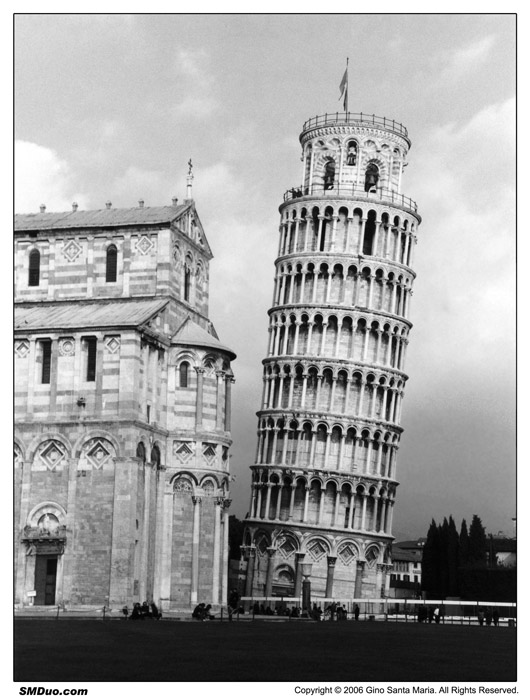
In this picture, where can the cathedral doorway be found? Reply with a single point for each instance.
(283, 583)
(45, 579)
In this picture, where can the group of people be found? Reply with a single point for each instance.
(488, 616)
(233, 603)
(432, 613)
(283, 610)
(429, 614)
(335, 611)
(202, 612)
(142, 611)
(296, 192)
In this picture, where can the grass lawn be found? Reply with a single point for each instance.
(118, 650)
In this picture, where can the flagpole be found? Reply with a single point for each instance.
(346, 100)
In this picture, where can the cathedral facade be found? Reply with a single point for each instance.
(122, 411)
(324, 477)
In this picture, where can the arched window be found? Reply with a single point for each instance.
(34, 269)
(187, 276)
(184, 374)
(329, 175)
(155, 455)
(140, 452)
(351, 158)
(112, 264)
(91, 345)
(369, 233)
(371, 177)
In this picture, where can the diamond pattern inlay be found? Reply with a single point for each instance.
(98, 454)
(287, 548)
(183, 452)
(113, 345)
(22, 348)
(72, 250)
(144, 245)
(316, 551)
(52, 454)
(347, 554)
(209, 453)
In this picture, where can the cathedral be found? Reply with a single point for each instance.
(324, 478)
(122, 410)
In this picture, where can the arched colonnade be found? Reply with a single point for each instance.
(348, 230)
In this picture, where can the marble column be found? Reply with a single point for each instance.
(195, 549)
(271, 551)
(218, 503)
(330, 575)
(298, 580)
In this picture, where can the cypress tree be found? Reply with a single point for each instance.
(477, 543)
(452, 558)
(463, 542)
(443, 534)
(430, 569)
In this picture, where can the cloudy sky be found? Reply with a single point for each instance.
(112, 107)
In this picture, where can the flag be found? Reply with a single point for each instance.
(343, 87)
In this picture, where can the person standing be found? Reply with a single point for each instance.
(495, 616)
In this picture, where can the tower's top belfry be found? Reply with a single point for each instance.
(354, 155)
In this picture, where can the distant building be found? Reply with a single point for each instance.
(405, 575)
(502, 551)
(122, 409)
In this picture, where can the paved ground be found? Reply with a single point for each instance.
(276, 650)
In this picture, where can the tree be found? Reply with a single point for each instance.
(463, 542)
(443, 563)
(456, 565)
(235, 536)
(453, 547)
(477, 556)
(430, 566)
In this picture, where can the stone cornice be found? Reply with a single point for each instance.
(337, 258)
(331, 419)
(336, 200)
(341, 311)
(335, 363)
(355, 129)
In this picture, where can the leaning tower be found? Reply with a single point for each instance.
(324, 478)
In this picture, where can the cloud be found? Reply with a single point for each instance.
(139, 183)
(42, 177)
(191, 64)
(195, 82)
(464, 60)
(465, 259)
(461, 355)
(194, 106)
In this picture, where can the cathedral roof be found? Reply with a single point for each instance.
(190, 333)
(86, 314)
(100, 218)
